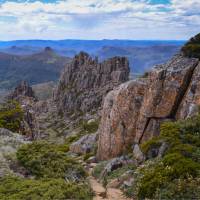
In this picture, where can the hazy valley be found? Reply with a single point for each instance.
(24, 60)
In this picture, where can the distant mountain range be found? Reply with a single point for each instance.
(88, 45)
(142, 54)
(36, 68)
(141, 59)
(27, 59)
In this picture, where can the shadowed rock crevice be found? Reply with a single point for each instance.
(183, 89)
(168, 85)
(180, 96)
(152, 127)
(145, 128)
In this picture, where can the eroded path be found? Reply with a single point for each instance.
(102, 193)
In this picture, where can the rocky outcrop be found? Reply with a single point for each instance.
(23, 89)
(132, 113)
(191, 101)
(85, 144)
(85, 82)
(24, 94)
(114, 164)
(137, 154)
(167, 86)
(9, 143)
(29, 125)
(119, 118)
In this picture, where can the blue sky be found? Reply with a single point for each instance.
(99, 19)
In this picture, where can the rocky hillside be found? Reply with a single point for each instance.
(37, 68)
(133, 112)
(85, 82)
(147, 145)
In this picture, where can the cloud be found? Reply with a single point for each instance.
(96, 19)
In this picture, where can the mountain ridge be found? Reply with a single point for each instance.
(15, 68)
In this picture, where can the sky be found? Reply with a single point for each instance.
(99, 19)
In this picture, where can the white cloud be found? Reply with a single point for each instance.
(90, 19)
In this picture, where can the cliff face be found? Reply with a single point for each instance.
(85, 81)
(132, 113)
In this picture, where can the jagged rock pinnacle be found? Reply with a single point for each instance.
(85, 82)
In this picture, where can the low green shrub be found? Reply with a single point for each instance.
(48, 161)
(118, 172)
(11, 116)
(154, 143)
(91, 127)
(171, 168)
(180, 163)
(180, 189)
(98, 169)
(145, 75)
(72, 138)
(12, 188)
(192, 47)
(88, 155)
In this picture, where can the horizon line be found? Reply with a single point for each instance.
(93, 40)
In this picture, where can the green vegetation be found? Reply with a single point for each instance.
(47, 65)
(92, 153)
(56, 175)
(91, 127)
(117, 173)
(85, 128)
(106, 178)
(49, 161)
(192, 48)
(11, 116)
(12, 188)
(145, 75)
(153, 143)
(172, 176)
(98, 169)
(180, 189)
(88, 155)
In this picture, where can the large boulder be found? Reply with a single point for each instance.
(114, 164)
(119, 119)
(85, 144)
